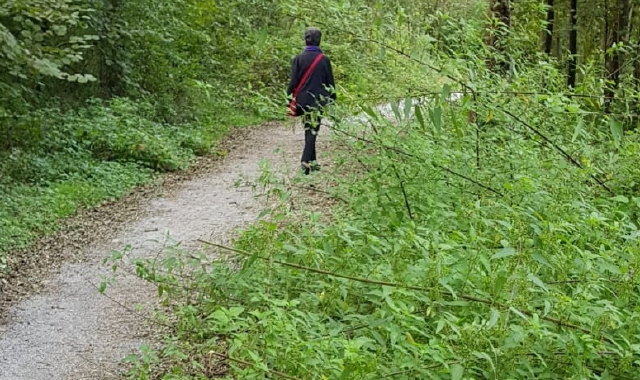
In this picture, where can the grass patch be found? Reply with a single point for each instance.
(78, 159)
(430, 268)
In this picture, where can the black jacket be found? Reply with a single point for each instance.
(319, 88)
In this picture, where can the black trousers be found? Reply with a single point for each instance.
(311, 127)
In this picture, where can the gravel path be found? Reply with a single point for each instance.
(69, 331)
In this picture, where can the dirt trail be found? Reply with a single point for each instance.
(71, 332)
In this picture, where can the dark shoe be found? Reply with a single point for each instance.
(305, 167)
(315, 167)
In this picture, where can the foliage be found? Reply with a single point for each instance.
(38, 38)
(94, 94)
(490, 234)
(96, 84)
(99, 152)
(28, 211)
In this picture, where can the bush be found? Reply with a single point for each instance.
(76, 159)
(496, 244)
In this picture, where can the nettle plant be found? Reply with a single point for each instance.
(488, 235)
(459, 250)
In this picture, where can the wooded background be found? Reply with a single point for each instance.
(490, 235)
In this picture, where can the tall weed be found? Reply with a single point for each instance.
(492, 236)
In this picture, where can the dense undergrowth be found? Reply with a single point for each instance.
(83, 157)
(423, 273)
(492, 235)
(98, 97)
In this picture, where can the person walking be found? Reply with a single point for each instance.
(311, 89)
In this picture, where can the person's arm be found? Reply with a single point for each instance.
(295, 77)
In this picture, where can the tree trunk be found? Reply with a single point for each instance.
(499, 10)
(573, 44)
(636, 76)
(551, 15)
(615, 60)
(111, 71)
(607, 27)
(636, 73)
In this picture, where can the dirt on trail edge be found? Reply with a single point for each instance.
(54, 323)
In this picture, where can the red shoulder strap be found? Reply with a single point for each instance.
(307, 74)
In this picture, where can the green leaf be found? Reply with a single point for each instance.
(369, 111)
(261, 38)
(60, 30)
(396, 110)
(252, 259)
(446, 91)
(518, 313)
(541, 259)
(456, 372)
(408, 102)
(495, 316)
(264, 213)
(609, 267)
(236, 311)
(577, 130)
(533, 278)
(485, 356)
(346, 372)
(504, 252)
(382, 53)
(616, 131)
(436, 118)
(131, 358)
(418, 111)
(219, 316)
(620, 199)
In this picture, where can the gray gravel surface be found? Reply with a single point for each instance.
(68, 331)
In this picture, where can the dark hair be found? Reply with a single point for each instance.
(312, 37)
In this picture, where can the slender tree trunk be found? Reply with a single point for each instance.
(636, 73)
(573, 44)
(615, 60)
(499, 10)
(111, 74)
(551, 15)
(503, 11)
(636, 76)
(607, 27)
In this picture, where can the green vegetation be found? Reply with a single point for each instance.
(97, 96)
(83, 157)
(490, 236)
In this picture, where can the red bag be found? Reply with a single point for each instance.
(293, 108)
